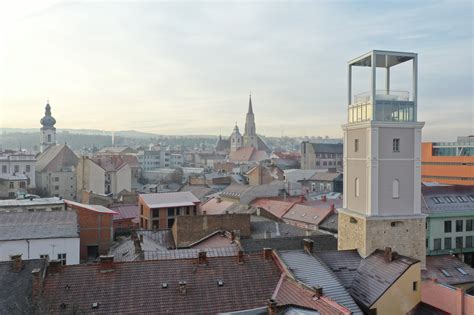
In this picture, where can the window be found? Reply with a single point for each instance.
(156, 213)
(22, 184)
(469, 241)
(56, 187)
(356, 145)
(170, 212)
(12, 185)
(16, 168)
(356, 188)
(170, 223)
(462, 199)
(437, 200)
(28, 168)
(11, 194)
(415, 285)
(459, 242)
(459, 225)
(353, 220)
(49, 138)
(56, 179)
(447, 226)
(450, 199)
(445, 273)
(461, 271)
(4, 168)
(141, 209)
(62, 259)
(395, 189)
(44, 256)
(447, 243)
(469, 224)
(437, 244)
(396, 145)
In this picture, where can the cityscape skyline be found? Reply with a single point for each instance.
(193, 77)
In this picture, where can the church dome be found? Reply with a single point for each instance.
(48, 121)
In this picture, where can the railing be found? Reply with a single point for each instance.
(382, 95)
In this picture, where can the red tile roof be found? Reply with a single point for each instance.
(214, 206)
(136, 287)
(275, 207)
(242, 154)
(309, 214)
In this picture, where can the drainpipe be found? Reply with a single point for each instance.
(28, 241)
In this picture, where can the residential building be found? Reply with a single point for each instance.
(159, 211)
(448, 162)
(13, 186)
(103, 174)
(286, 160)
(126, 218)
(382, 165)
(56, 172)
(321, 155)
(450, 221)
(95, 229)
(153, 159)
(116, 150)
(264, 174)
(40, 234)
(32, 205)
(18, 163)
(47, 131)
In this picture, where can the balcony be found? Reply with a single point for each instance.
(392, 106)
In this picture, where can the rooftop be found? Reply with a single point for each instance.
(447, 199)
(448, 269)
(31, 202)
(172, 199)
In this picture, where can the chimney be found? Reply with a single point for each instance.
(333, 208)
(134, 236)
(54, 266)
(106, 263)
(302, 199)
(272, 307)
(202, 258)
(267, 253)
(232, 236)
(17, 262)
(182, 287)
(37, 286)
(218, 199)
(138, 246)
(141, 238)
(240, 257)
(318, 291)
(388, 254)
(308, 245)
(324, 198)
(204, 212)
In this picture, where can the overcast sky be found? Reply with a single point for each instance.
(187, 67)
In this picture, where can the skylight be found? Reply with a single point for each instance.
(447, 274)
(461, 271)
(315, 217)
(462, 199)
(450, 199)
(437, 200)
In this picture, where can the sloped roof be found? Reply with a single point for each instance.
(321, 242)
(137, 286)
(313, 213)
(276, 207)
(328, 147)
(242, 155)
(125, 211)
(222, 145)
(95, 208)
(313, 272)
(171, 199)
(216, 206)
(130, 159)
(325, 176)
(109, 163)
(56, 157)
(259, 229)
(446, 199)
(434, 265)
(343, 264)
(38, 225)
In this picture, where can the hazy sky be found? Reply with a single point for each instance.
(187, 67)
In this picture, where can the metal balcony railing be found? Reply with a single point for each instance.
(382, 95)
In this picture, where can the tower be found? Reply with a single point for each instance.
(235, 139)
(48, 131)
(382, 157)
(250, 134)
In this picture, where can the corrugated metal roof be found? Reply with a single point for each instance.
(313, 272)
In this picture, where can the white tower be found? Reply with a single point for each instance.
(235, 139)
(48, 131)
(382, 157)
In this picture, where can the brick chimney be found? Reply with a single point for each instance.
(141, 238)
(106, 262)
(240, 257)
(389, 255)
(232, 236)
(138, 246)
(182, 287)
(333, 208)
(202, 258)
(272, 307)
(318, 291)
(302, 199)
(37, 286)
(267, 253)
(323, 198)
(308, 245)
(54, 266)
(17, 262)
(218, 199)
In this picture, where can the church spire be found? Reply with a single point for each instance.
(250, 105)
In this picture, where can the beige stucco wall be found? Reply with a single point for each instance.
(367, 235)
(400, 298)
(124, 179)
(96, 178)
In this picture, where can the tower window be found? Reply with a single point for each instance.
(49, 138)
(356, 145)
(356, 188)
(396, 189)
(353, 220)
(415, 285)
(396, 145)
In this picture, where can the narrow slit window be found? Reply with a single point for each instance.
(396, 189)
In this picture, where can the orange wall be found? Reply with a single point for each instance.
(448, 299)
(445, 170)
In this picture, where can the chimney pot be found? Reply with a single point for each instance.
(202, 258)
(308, 245)
(318, 291)
(17, 262)
(232, 236)
(204, 212)
(388, 254)
(272, 307)
(267, 253)
(240, 257)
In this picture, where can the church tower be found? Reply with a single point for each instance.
(235, 139)
(250, 134)
(382, 157)
(48, 131)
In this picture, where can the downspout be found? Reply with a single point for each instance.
(28, 241)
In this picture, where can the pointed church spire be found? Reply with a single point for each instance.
(250, 105)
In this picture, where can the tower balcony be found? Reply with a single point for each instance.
(391, 105)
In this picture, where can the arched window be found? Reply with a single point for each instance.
(356, 188)
(49, 138)
(396, 188)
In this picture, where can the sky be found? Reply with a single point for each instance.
(177, 68)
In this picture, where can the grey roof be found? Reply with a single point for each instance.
(16, 287)
(258, 229)
(375, 275)
(61, 155)
(452, 266)
(445, 199)
(313, 272)
(321, 242)
(169, 199)
(329, 223)
(192, 253)
(343, 264)
(328, 147)
(29, 202)
(37, 225)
